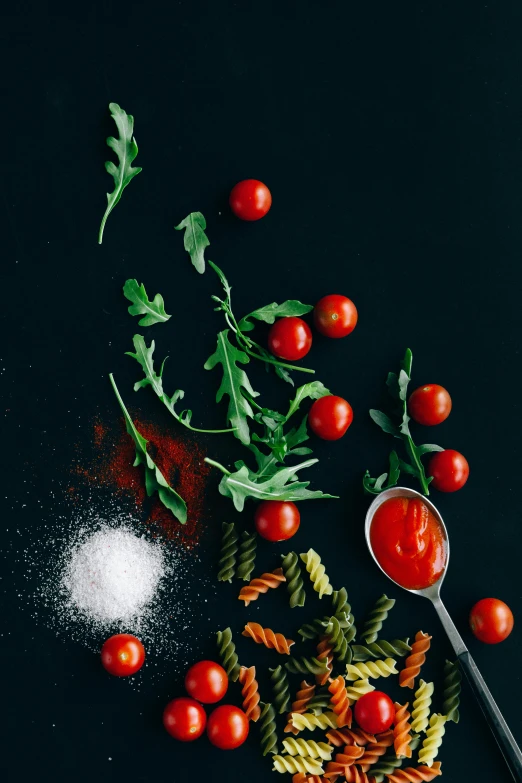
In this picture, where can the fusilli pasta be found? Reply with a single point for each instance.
(340, 702)
(307, 720)
(281, 690)
(415, 660)
(340, 737)
(227, 653)
(451, 692)
(421, 706)
(303, 777)
(395, 649)
(317, 573)
(314, 750)
(387, 764)
(374, 750)
(320, 701)
(421, 774)
(250, 691)
(247, 556)
(358, 689)
(343, 760)
(267, 723)
(295, 764)
(274, 641)
(302, 699)
(401, 731)
(306, 666)
(375, 619)
(227, 560)
(325, 655)
(374, 669)
(336, 635)
(340, 605)
(294, 580)
(433, 740)
(260, 585)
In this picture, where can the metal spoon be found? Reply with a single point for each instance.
(497, 724)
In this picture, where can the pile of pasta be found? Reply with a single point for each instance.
(324, 699)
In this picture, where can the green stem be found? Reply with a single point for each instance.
(217, 465)
(102, 225)
(415, 461)
(278, 363)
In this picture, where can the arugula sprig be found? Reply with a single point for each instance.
(155, 481)
(398, 389)
(144, 356)
(153, 312)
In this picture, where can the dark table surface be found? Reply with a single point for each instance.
(391, 140)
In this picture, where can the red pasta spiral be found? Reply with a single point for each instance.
(416, 775)
(352, 774)
(343, 761)
(303, 696)
(415, 660)
(374, 750)
(340, 701)
(349, 737)
(274, 641)
(302, 777)
(325, 652)
(250, 691)
(261, 584)
(401, 731)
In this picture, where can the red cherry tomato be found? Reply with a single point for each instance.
(450, 470)
(429, 404)
(206, 681)
(250, 199)
(491, 620)
(330, 417)
(277, 520)
(184, 719)
(335, 316)
(227, 727)
(290, 338)
(374, 712)
(122, 655)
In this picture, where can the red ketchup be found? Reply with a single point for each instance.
(408, 542)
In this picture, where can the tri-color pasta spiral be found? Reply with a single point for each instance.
(336, 635)
(261, 584)
(373, 669)
(300, 704)
(274, 641)
(433, 740)
(295, 764)
(375, 619)
(250, 692)
(379, 649)
(280, 689)
(306, 720)
(325, 655)
(390, 762)
(247, 555)
(301, 665)
(343, 760)
(294, 579)
(415, 660)
(358, 689)
(227, 560)
(451, 692)
(340, 702)
(421, 706)
(340, 737)
(314, 750)
(268, 727)
(227, 653)
(401, 731)
(374, 750)
(317, 573)
(420, 774)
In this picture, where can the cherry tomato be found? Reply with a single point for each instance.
(277, 520)
(290, 338)
(429, 404)
(450, 470)
(250, 199)
(374, 712)
(335, 316)
(206, 681)
(184, 719)
(122, 655)
(330, 417)
(491, 620)
(227, 727)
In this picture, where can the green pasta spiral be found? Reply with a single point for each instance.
(227, 653)
(381, 649)
(451, 693)
(377, 616)
(281, 690)
(294, 579)
(227, 560)
(316, 627)
(306, 666)
(387, 764)
(320, 701)
(267, 725)
(335, 634)
(247, 556)
(340, 604)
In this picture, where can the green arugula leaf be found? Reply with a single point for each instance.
(376, 486)
(235, 380)
(395, 470)
(313, 390)
(270, 312)
(384, 422)
(153, 312)
(126, 149)
(155, 481)
(426, 448)
(144, 357)
(195, 240)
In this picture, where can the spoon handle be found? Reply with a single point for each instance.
(497, 724)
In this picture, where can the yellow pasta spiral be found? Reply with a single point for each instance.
(421, 707)
(295, 764)
(326, 720)
(317, 573)
(433, 740)
(361, 671)
(314, 750)
(358, 689)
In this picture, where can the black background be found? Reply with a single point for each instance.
(390, 136)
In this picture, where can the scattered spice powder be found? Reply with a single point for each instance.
(180, 460)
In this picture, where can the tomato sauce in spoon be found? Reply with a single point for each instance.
(409, 542)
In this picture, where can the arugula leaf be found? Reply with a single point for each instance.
(195, 240)
(235, 380)
(145, 359)
(155, 481)
(283, 485)
(126, 149)
(426, 448)
(375, 486)
(153, 312)
(384, 422)
(270, 312)
(313, 390)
